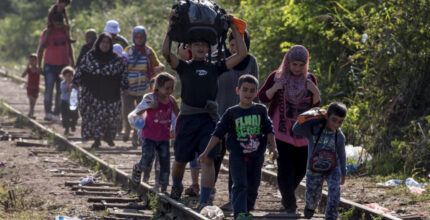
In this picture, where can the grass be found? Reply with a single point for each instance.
(14, 204)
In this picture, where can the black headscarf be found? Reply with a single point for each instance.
(244, 63)
(104, 57)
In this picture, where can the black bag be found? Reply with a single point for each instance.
(199, 20)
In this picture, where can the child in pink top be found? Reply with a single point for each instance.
(158, 106)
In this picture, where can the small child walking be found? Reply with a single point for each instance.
(249, 128)
(69, 116)
(158, 106)
(326, 159)
(33, 79)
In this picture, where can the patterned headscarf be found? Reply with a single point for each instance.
(138, 50)
(294, 86)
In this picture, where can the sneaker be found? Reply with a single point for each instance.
(244, 216)
(176, 192)
(136, 175)
(308, 213)
(73, 129)
(48, 117)
(55, 117)
(193, 190)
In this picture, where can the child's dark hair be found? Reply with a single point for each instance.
(58, 16)
(162, 78)
(337, 108)
(32, 55)
(67, 69)
(247, 78)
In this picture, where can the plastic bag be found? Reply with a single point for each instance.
(60, 217)
(85, 181)
(392, 182)
(212, 212)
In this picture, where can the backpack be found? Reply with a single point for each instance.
(323, 160)
(199, 20)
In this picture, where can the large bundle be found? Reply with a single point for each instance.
(199, 20)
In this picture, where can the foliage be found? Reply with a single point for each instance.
(372, 55)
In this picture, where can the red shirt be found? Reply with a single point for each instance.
(158, 122)
(32, 79)
(57, 48)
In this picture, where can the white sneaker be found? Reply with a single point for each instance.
(48, 117)
(55, 117)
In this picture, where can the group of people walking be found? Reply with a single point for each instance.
(218, 112)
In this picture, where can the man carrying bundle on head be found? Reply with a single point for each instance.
(198, 111)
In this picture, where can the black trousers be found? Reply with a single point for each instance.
(69, 117)
(221, 151)
(291, 170)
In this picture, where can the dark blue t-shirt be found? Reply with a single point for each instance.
(247, 129)
(199, 81)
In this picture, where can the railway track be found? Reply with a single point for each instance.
(115, 164)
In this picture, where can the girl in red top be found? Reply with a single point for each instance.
(290, 90)
(33, 73)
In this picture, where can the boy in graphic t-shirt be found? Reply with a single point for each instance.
(249, 129)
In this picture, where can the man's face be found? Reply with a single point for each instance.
(199, 50)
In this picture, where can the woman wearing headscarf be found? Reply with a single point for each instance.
(102, 76)
(290, 90)
(143, 65)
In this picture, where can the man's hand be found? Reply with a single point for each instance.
(274, 152)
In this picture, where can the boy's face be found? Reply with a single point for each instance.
(199, 50)
(334, 122)
(33, 61)
(68, 76)
(247, 92)
(297, 67)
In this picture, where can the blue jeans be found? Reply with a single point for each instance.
(246, 176)
(314, 184)
(163, 153)
(52, 77)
